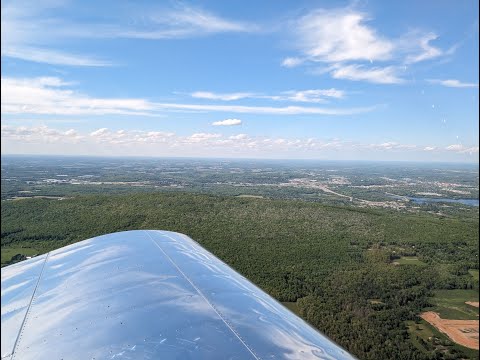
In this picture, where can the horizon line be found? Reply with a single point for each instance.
(242, 158)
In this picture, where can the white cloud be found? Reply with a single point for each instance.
(391, 146)
(427, 51)
(223, 97)
(124, 137)
(344, 40)
(227, 122)
(54, 57)
(158, 143)
(313, 95)
(455, 147)
(379, 75)
(47, 95)
(201, 137)
(99, 132)
(42, 134)
(453, 83)
(239, 137)
(286, 110)
(340, 35)
(292, 62)
(459, 148)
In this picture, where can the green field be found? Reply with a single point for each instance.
(474, 274)
(292, 306)
(424, 331)
(410, 260)
(8, 252)
(450, 304)
(250, 196)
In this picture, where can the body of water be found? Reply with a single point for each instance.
(423, 200)
(469, 202)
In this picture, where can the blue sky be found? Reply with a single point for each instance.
(366, 80)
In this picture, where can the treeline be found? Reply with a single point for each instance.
(335, 262)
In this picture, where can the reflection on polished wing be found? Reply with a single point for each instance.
(146, 295)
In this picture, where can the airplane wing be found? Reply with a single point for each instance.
(146, 295)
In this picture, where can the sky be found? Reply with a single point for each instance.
(327, 80)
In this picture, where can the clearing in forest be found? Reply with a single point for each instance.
(410, 260)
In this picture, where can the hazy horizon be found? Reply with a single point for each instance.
(312, 160)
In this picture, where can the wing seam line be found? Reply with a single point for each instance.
(220, 315)
(24, 322)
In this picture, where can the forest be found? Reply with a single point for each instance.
(336, 266)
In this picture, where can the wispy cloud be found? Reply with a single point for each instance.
(51, 95)
(312, 96)
(285, 110)
(453, 83)
(184, 21)
(54, 57)
(379, 75)
(227, 122)
(391, 145)
(201, 137)
(31, 31)
(309, 96)
(224, 97)
(292, 62)
(426, 50)
(462, 149)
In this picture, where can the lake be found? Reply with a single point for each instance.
(424, 200)
(469, 202)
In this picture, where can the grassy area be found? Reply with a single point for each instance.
(376, 302)
(250, 196)
(7, 252)
(421, 330)
(450, 304)
(474, 274)
(410, 260)
(292, 306)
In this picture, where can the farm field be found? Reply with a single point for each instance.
(452, 304)
(462, 332)
(9, 252)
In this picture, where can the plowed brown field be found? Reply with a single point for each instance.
(463, 332)
(473, 303)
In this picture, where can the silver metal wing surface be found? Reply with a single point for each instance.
(146, 295)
